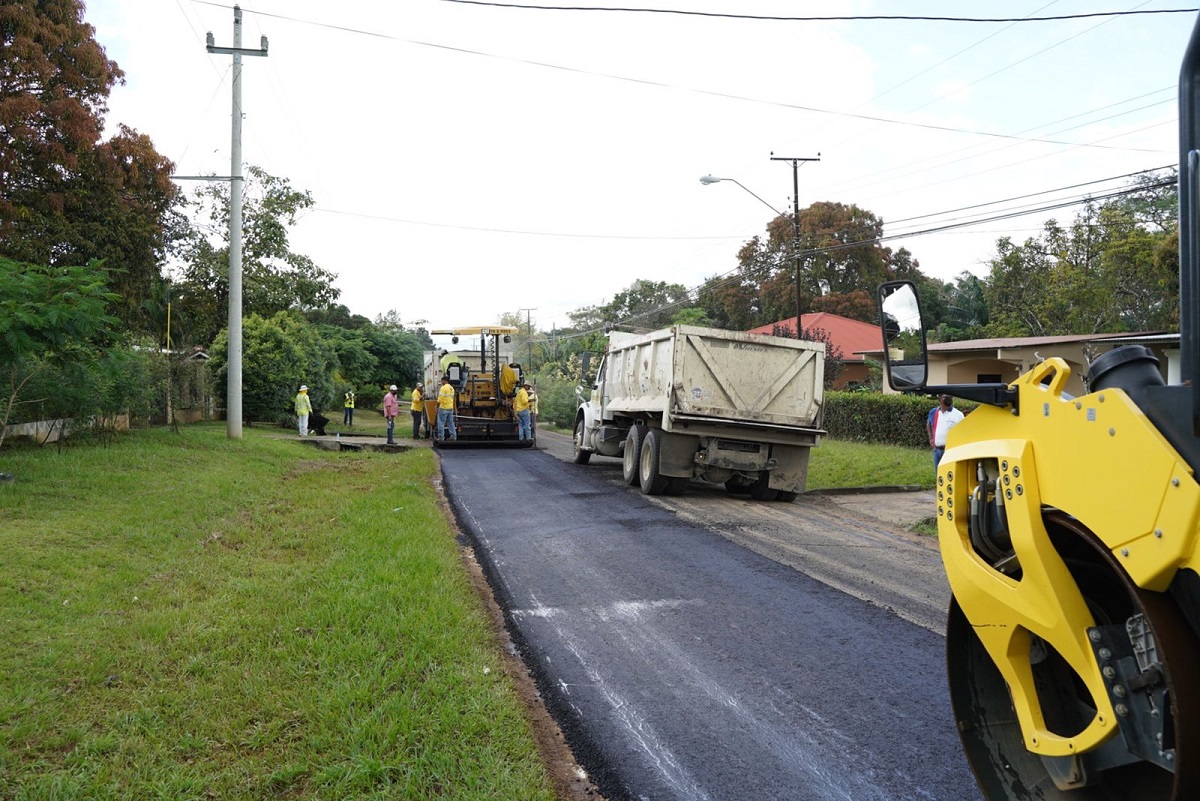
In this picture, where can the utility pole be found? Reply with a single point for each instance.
(796, 222)
(233, 392)
(529, 333)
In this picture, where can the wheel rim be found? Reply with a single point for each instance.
(992, 737)
(646, 462)
(630, 462)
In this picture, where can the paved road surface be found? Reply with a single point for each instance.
(683, 665)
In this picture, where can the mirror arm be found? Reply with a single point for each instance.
(991, 394)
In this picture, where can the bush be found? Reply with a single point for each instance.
(885, 419)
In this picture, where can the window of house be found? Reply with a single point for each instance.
(987, 378)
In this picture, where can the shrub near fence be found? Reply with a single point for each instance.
(885, 419)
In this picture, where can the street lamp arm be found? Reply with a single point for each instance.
(712, 179)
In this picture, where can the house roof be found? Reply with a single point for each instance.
(853, 337)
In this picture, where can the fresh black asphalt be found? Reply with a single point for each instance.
(683, 666)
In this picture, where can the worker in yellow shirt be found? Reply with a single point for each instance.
(445, 415)
(418, 409)
(521, 407)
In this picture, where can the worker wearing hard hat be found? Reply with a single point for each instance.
(391, 408)
(521, 407)
(303, 409)
(418, 409)
(445, 414)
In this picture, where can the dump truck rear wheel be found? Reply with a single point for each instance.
(581, 456)
(630, 461)
(761, 491)
(652, 481)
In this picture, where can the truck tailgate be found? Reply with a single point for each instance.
(710, 373)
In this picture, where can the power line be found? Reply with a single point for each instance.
(855, 18)
(663, 85)
(624, 237)
(729, 277)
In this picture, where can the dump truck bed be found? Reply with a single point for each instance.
(694, 376)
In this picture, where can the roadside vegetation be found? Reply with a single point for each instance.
(187, 616)
(837, 464)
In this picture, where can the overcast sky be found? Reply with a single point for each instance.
(468, 160)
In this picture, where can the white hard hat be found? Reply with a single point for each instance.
(304, 387)
(393, 387)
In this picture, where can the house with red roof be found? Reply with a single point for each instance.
(852, 337)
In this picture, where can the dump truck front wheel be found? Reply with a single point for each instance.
(581, 456)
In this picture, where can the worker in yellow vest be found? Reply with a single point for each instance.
(348, 417)
(521, 407)
(445, 415)
(418, 410)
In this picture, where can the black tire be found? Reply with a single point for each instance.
(581, 456)
(652, 481)
(676, 486)
(760, 491)
(787, 497)
(735, 488)
(630, 461)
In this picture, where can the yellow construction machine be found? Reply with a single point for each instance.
(1070, 532)
(485, 381)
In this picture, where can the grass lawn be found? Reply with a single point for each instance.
(839, 464)
(186, 616)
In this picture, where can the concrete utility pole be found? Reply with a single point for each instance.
(233, 393)
(529, 333)
(796, 222)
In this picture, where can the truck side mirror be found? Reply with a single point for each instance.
(905, 359)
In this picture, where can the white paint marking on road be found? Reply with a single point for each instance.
(643, 734)
(619, 610)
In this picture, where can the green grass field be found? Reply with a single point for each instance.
(187, 616)
(839, 464)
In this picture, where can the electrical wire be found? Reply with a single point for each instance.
(725, 279)
(848, 18)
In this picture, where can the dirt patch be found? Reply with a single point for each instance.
(569, 779)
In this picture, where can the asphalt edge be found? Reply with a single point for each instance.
(584, 747)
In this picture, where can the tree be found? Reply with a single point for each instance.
(53, 95)
(1113, 269)
(645, 304)
(857, 305)
(278, 355)
(65, 197)
(839, 258)
(965, 303)
(48, 316)
(274, 278)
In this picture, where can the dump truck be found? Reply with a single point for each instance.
(722, 407)
(485, 381)
(1069, 528)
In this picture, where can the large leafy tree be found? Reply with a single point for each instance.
(1113, 269)
(839, 257)
(645, 304)
(66, 197)
(49, 316)
(274, 278)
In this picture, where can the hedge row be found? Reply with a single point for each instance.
(886, 419)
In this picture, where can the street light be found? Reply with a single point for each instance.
(712, 179)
